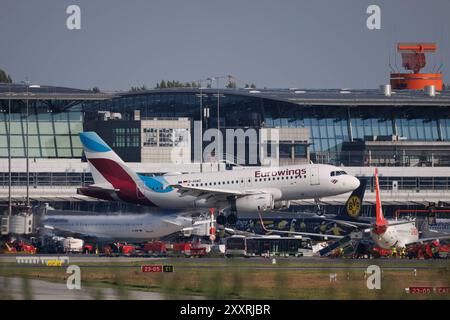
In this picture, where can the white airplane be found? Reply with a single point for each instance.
(121, 227)
(388, 234)
(247, 190)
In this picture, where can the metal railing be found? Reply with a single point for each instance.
(383, 158)
(78, 179)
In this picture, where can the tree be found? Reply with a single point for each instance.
(176, 84)
(253, 86)
(141, 88)
(4, 77)
(231, 85)
(95, 89)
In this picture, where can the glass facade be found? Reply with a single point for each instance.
(445, 128)
(54, 125)
(126, 137)
(362, 128)
(330, 126)
(418, 129)
(52, 133)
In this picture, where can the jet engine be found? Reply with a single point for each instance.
(282, 205)
(254, 202)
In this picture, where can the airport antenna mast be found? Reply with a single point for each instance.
(414, 59)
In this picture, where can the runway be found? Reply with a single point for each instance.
(13, 288)
(255, 263)
(302, 274)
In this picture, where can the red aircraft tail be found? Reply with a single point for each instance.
(381, 222)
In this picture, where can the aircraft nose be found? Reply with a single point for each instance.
(350, 183)
(354, 182)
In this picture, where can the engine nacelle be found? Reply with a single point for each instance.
(282, 205)
(254, 202)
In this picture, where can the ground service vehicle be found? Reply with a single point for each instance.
(268, 246)
(155, 248)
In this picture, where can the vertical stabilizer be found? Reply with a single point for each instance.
(381, 222)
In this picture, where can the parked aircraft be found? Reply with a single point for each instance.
(247, 190)
(388, 234)
(131, 227)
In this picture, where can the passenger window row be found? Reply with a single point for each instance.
(206, 184)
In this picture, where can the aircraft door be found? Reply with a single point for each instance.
(314, 176)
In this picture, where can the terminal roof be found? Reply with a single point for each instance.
(299, 96)
(43, 92)
(322, 96)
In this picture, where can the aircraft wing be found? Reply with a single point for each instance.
(75, 233)
(350, 223)
(242, 233)
(103, 186)
(197, 191)
(172, 223)
(309, 234)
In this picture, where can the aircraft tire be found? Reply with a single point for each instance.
(221, 219)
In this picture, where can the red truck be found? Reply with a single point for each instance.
(380, 252)
(116, 249)
(88, 248)
(20, 247)
(127, 249)
(155, 248)
(197, 251)
(181, 249)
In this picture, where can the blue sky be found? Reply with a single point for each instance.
(305, 44)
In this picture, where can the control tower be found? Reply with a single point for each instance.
(414, 59)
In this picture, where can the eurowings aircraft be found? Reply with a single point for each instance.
(246, 190)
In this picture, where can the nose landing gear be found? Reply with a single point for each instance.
(319, 209)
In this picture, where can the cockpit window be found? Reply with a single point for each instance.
(337, 173)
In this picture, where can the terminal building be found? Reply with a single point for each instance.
(405, 133)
